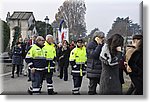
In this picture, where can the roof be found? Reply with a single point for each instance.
(21, 15)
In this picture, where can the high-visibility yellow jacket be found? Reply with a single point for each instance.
(36, 57)
(50, 55)
(77, 60)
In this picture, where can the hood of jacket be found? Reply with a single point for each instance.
(105, 56)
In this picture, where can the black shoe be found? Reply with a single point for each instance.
(24, 74)
(29, 92)
(52, 93)
(60, 77)
(92, 93)
(65, 79)
(29, 79)
(12, 76)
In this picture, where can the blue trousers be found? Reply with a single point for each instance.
(36, 78)
(48, 76)
(77, 81)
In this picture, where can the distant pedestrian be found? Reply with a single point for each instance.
(94, 66)
(110, 56)
(17, 59)
(32, 40)
(59, 45)
(63, 60)
(27, 46)
(23, 45)
(72, 45)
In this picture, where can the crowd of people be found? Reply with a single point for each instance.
(102, 61)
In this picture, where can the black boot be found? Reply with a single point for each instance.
(92, 93)
(12, 76)
(30, 91)
(51, 92)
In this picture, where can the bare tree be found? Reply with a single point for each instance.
(73, 13)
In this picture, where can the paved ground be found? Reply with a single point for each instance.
(19, 85)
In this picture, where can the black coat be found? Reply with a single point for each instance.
(63, 56)
(110, 79)
(94, 66)
(23, 46)
(17, 58)
(136, 64)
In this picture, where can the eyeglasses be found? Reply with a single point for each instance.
(42, 40)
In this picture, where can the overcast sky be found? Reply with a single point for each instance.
(100, 13)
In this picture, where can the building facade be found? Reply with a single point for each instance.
(25, 21)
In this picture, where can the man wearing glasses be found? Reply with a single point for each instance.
(94, 66)
(36, 61)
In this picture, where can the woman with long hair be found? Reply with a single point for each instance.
(63, 59)
(110, 56)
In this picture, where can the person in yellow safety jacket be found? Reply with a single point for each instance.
(78, 60)
(50, 58)
(36, 61)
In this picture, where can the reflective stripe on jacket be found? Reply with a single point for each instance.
(50, 55)
(77, 60)
(36, 57)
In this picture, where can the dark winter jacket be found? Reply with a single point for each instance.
(94, 66)
(110, 80)
(63, 56)
(136, 64)
(17, 56)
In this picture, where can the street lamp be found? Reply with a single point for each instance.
(46, 21)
